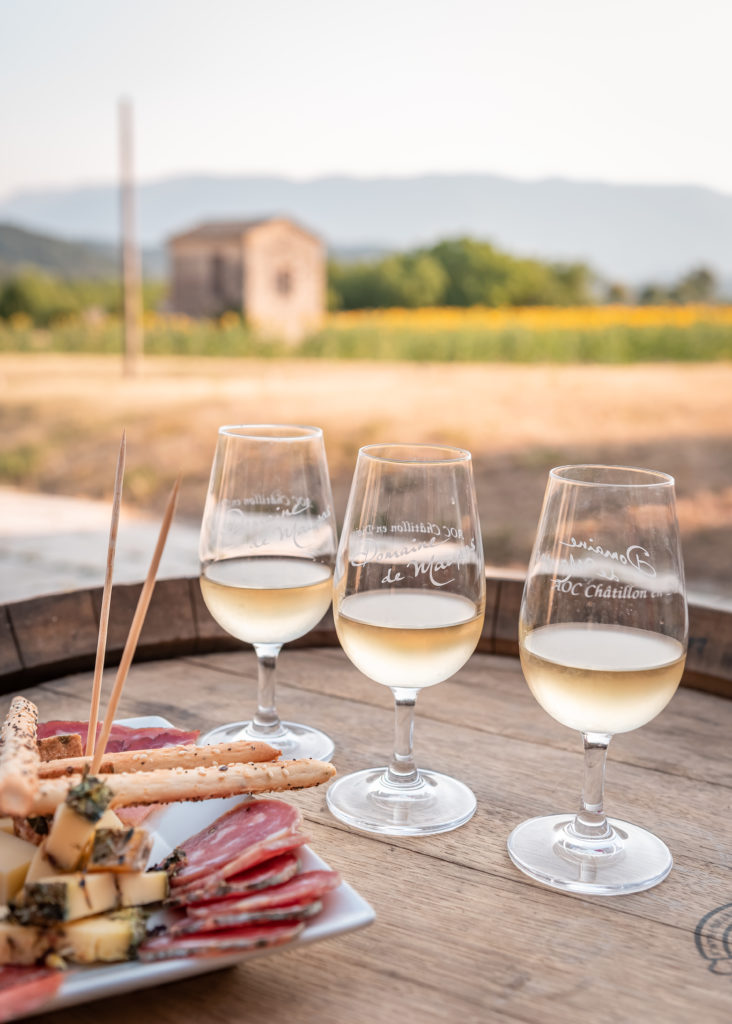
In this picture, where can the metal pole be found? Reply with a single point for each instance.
(131, 275)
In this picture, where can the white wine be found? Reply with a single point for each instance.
(267, 600)
(601, 678)
(410, 638)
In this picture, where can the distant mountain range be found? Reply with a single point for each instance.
(20, 248)
(630, 233)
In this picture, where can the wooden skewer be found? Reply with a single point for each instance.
(135, 628)
(106, 599)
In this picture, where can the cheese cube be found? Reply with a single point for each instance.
(139, 889)
(69, 839)
(41, 866)
(15, 857)
(115, 849)
(21, 944)
(65, 898)
(106, 937)
(109, 820)
(72, 829)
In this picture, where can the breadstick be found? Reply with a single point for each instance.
(168, 785)
(19, 759)
(184, 755)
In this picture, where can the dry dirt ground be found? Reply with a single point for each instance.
(62, 417)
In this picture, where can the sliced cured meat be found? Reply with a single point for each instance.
(164, 947)
(272, 872)
(244, 836)
(135, 814)
(218, 922)
(304, 888)
(25, 989)
(121, 737)
(203, 888)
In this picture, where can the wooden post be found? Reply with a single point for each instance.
(131, 275)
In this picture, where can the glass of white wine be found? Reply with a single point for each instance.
(602, 635)
(409, 602)
(267, 547)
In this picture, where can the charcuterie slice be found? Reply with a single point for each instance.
(135, 814)
(164, 947)
(275, 871)
(121, 737)
(24, 989)
(205, 888)
(304, 888)
(219, 922)
(239, 839)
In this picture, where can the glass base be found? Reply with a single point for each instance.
(367, 800)
(292, 739)
(548, 850)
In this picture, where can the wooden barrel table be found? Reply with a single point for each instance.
(460, 934)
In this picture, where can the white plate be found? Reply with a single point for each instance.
(343, 911)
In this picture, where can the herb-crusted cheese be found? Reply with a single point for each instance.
(74, 822)
(65, 898)
(105, 937)
(125, 849)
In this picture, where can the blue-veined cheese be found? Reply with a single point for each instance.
(65, 898)
(105, 937)
(74, 822)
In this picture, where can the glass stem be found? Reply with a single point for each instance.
(402, 770)
(266, 720)
(591, 822)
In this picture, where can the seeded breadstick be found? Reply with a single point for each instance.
(19, 759)
(168, 785)
(184, 755)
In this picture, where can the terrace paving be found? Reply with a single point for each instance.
(55, 543)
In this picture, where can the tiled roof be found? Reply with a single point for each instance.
(223, 229)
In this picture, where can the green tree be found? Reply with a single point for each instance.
(654, 295)
(477, 274)
(457, 272)
(699, 285)
(576, 283)
(42, 297)
(618, 292)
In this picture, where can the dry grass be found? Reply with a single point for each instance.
(61, 419)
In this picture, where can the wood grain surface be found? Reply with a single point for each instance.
(460, 933)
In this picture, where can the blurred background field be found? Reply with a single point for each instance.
(585, 334)
(61, 417)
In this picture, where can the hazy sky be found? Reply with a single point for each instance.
(616, 90)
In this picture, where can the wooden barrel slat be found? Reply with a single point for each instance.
(45, 637)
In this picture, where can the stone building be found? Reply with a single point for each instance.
(271, 270)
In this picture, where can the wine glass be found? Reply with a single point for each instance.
(409, 602)
(267, 547)
(602, 636)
